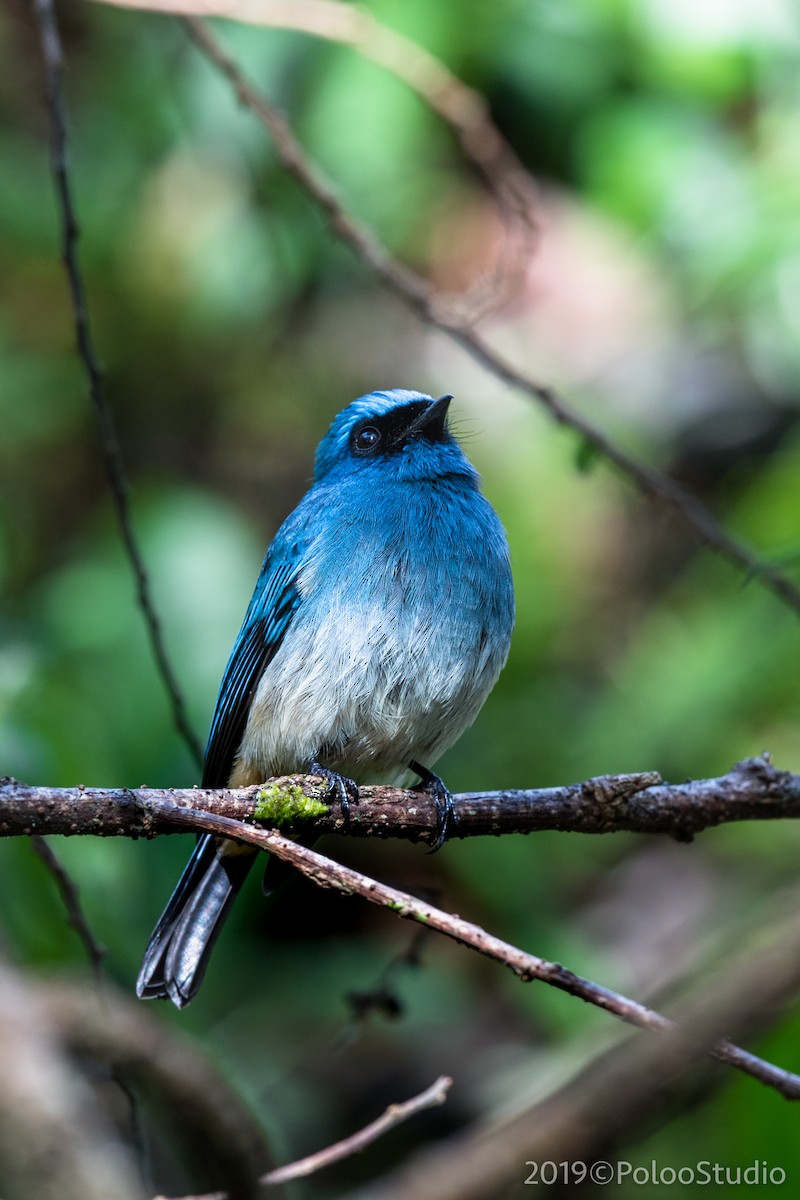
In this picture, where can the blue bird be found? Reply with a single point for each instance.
(378, 626)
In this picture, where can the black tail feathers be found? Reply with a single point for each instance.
(177, 954)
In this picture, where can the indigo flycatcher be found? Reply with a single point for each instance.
(378, 626)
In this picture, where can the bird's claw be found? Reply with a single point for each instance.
(440, 794)
(341, 789)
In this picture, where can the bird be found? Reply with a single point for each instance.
(379, 623)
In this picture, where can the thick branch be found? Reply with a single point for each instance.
(640, 803)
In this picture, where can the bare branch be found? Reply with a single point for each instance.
(70, 894)
(54, 75)
(395, 1114)
(526, 966)
(640, 803)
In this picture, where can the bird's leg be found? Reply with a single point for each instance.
(443, 802)
(339, 786)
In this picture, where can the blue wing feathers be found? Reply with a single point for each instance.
(270, 613)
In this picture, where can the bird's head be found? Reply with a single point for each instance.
(398, 432)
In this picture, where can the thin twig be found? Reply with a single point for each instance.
(641, 803)
(54, 74)
(527, 967)
(70, 895)
(395, 1114)
(417, 293)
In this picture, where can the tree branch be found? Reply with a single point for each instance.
(157, 811)
(395, 1114)
(639, 803)
(53, 60)
(70, 895)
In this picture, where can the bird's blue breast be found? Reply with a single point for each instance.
(402, 623)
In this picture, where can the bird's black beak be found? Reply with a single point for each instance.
(432, 420)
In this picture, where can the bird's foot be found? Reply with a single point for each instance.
(446, 818)
(340, 788)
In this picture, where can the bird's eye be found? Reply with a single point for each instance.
(367, 439)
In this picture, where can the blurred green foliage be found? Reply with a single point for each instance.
(233, 326)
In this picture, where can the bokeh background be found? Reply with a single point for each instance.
(661, 298)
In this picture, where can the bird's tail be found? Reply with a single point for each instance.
(177, 954)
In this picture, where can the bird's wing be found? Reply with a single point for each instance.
(272, 607)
